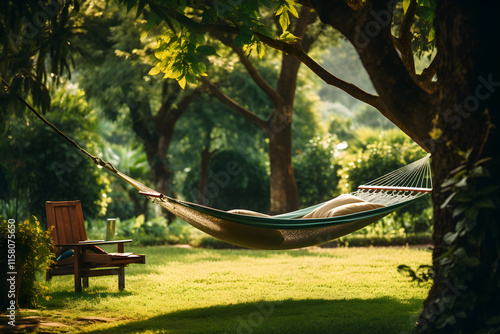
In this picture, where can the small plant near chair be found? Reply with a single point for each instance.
(33, 253)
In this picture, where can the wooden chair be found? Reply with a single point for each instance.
(68, 233)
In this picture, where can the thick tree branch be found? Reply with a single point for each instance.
(297, 51)
(140, 112)
(349, 88)
(169, 98)
(228, 40)
(348, 14)
(214, 91)
(429, 73)
(257, 78)
(405, 102)
(405, 36)
(175, 113)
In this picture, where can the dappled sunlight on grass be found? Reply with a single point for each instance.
(322, 288)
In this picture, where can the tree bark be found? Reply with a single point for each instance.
(284, 193)
(205, 161)
(469, 102)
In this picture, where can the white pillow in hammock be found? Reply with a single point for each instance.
(248, 213)
(333, 203)
(352, 208)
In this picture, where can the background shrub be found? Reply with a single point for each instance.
(34, 254)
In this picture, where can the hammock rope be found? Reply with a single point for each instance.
(290, 230)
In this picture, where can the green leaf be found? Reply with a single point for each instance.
(190, 78)
(447, 200)
(280, 10)
(462, 183)
(207, 50)
(154, 71)
(152, 21)
(284, 21)
(172, 71)
(130, 4)
(260, 49)
(448, 182)
(140, 7)
(182, 82)
(200, 39)
(288, 37)
(242, 39)
(458, 211)
(432, 35)
(472, 213)
(425, 13)
(424, 3)
(471, 261)
(444, 261)
(196, 69)
(262, 29)
(267, 3)
(292, 10)
(406, 4)
(450, 237)
(203, 68)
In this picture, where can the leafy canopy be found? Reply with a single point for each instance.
(182, 47)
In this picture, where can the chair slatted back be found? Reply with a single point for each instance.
(67, 219)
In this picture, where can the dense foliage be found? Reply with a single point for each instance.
(37, 47)
(234, 181)
(34, 171)
(473, 200)
(33, 254)
(316, 170)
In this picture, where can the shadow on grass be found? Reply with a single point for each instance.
(92, 295)
(162, 255)
(380, 315)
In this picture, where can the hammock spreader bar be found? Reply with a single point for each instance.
(285, 231)
(422, 190)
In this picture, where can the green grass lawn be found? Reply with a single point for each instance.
(179, 290)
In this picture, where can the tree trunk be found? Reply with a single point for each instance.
(205, 160)
(161, 173)
(465, 294)
(284, 194)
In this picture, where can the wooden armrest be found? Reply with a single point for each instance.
(94, 243)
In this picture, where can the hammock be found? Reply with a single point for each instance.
(296, 229)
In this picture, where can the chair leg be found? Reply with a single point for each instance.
(121, 278)
(85, 281)
(77, 263)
